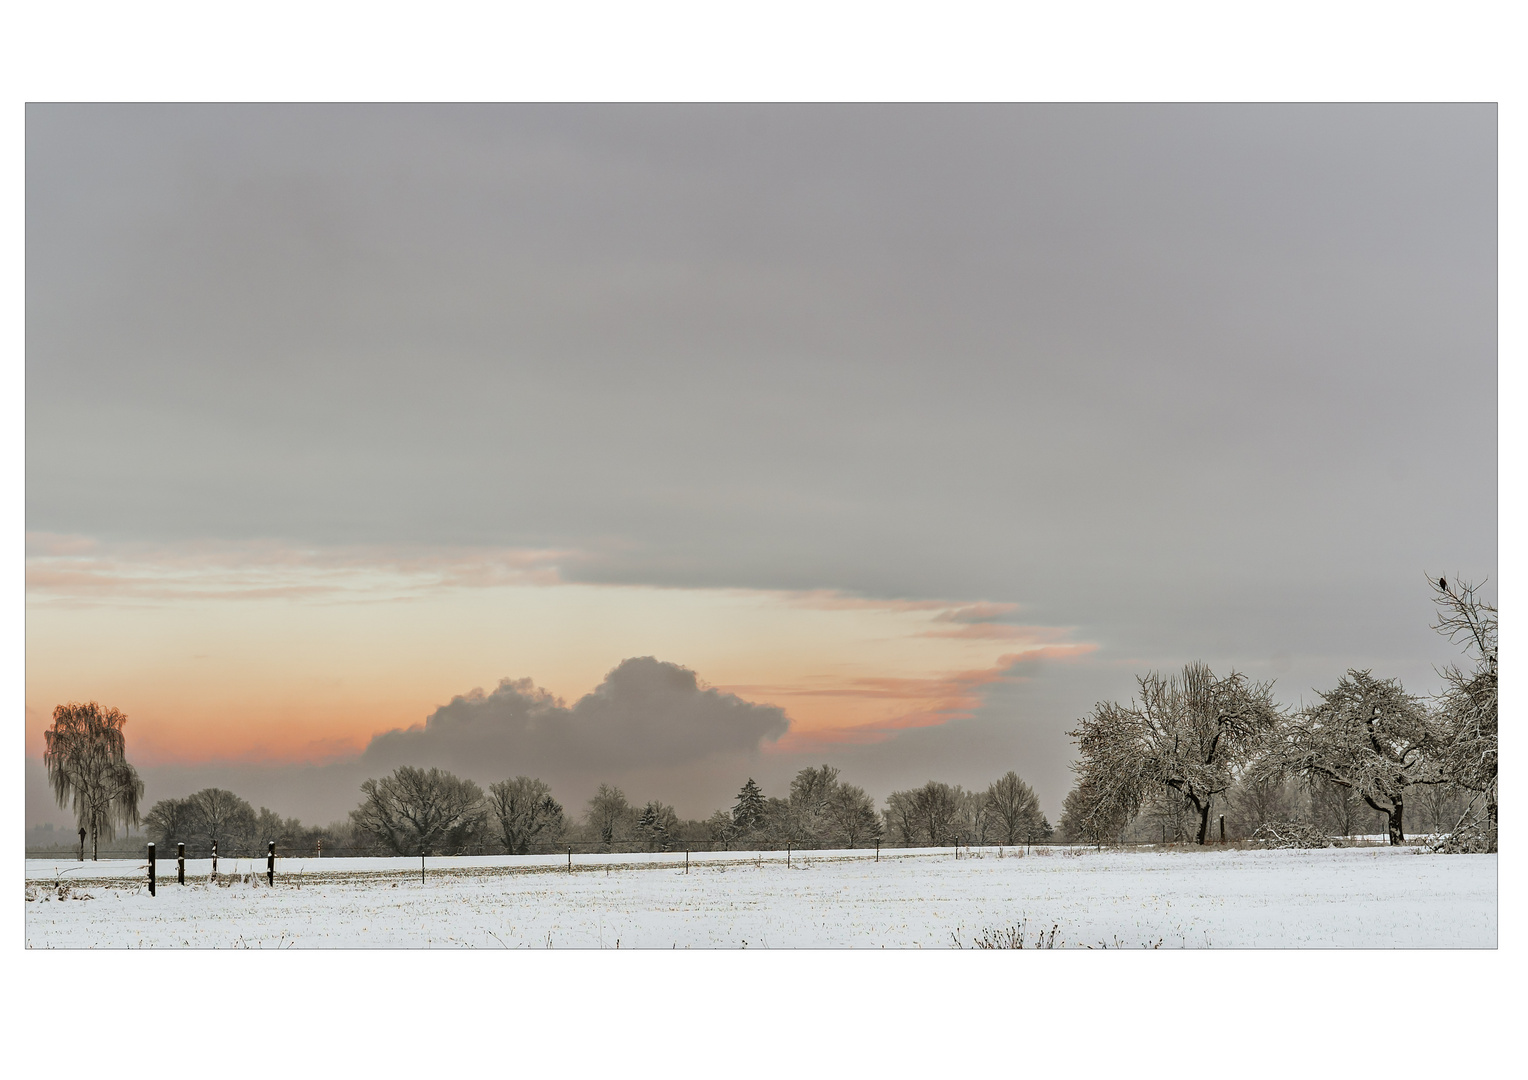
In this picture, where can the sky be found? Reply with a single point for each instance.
(669, 446)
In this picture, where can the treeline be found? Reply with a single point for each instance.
(430, 811)
(215, 816)
(1194, 748)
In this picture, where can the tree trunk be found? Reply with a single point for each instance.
(1204, 820)
(1393, 821)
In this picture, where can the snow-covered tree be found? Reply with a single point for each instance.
(657, 825)
(1191, 733)
(1368, 735)
(749, 810)
(1100, 806)
(1467, 750)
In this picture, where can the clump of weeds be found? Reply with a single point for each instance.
(1012, 937)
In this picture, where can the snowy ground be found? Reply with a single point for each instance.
(1342, 898)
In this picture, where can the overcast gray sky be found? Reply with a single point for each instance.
(1190, 382)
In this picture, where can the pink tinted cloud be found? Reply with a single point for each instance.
(976, 613)
(924, 702)
(79, 569)
(833, 600)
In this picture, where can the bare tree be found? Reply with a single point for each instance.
(1467, 746)
(852, 816)
(525, 812)
(418, 811)
(1192, 733)
(1444, 805)
(936, 808)
(1367, 734)
(902, 818)
(169, 820)
(86, 760)
(975, 821)
(223, 818)
(1015, 810)
(609, 814)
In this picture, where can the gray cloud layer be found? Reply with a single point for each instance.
(1206, 382)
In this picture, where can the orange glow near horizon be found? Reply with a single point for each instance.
(269, 654)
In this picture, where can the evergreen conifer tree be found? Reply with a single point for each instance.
(749, 811)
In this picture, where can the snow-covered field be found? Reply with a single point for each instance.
(1332, 898)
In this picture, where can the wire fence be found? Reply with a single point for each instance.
(697, 847)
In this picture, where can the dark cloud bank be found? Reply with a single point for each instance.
(646, 717)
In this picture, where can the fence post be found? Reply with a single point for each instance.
(1222, 828)
(687, 861)
(877, 851)
(570, 858)
(787, 855)
(151, 870)
(320, 847)
(421, 866)
(270, 863)
(180, 864)
(82, 845)
(214, 858)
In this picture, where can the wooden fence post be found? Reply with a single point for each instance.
(214, 858)
(687, 861)
(787, 855)
(270, 863)
(1222, 828)
(180, 864)
(570, 858)
(877, 851)
(421, 866)
(151, 870)
(82, 845)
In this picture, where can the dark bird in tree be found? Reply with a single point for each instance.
(86, 758)
(1443, 584)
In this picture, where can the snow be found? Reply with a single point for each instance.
(1219, 898)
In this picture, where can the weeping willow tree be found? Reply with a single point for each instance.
(87, 765)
